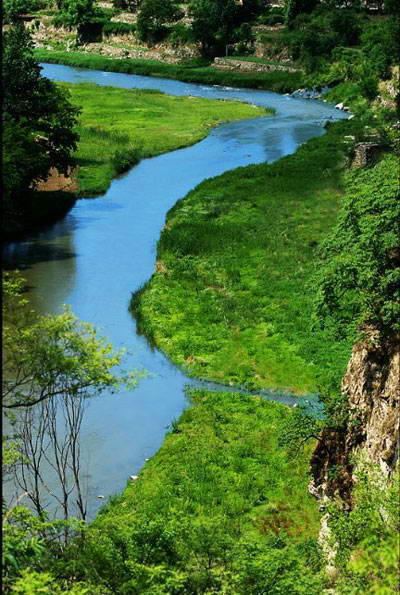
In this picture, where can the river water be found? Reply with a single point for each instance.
(105, 249)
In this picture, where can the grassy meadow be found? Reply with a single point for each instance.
(192, 72)
(232, 296)
(117, 127)
(222, 507)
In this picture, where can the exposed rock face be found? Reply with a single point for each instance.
(372, 386)
(232, 64)
(372, 382)
(366, 154)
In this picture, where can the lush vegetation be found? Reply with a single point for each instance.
(264, 277)
(232, 298)
(223, 507)
(359, 282)
(280, 82)
(117, 127)
(152, 17)
(47, 361)
(38, 130)
(368, 541)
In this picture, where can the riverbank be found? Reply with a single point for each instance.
(222, 507)
(279, 82)
(232, 295)
(118, 127)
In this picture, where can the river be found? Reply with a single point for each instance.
(105, 249)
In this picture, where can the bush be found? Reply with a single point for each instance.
(129, 5)
(273, 16)
(13, 9)
(153, 17)
(118, 29)
(124, 160)
(380, 45)
(180, 34)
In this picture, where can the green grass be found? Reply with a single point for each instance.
(280, 82)
(221, 508)
(119, 126)
(350, 94)
(112, 28)
(232, 296)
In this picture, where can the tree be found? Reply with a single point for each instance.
(38, 122)
(84, 15)
(153, 16)
(50, 356)
(294, 8)
(13, 9)
(359, 278)
(129, 5)
(51, 365)
(214, 22)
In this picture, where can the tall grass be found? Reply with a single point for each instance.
(232, 299)
(112, 28)
(118, 127)
(221, 508)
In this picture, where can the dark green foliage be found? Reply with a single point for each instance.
(85, 16)
(293, 8)
(317, 34)
(213, 23)
(14, 9)
(359, 282)
(153, 16)
(272, 16)
(180, 34)
(129, 5)
(38, 123)
(219, 23)
(220, 508)
(380, 43)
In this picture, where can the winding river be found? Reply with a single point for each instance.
(105, 249)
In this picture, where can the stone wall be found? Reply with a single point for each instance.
(232, 64)
(365, 154)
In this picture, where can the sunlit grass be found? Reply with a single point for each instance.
(117, 127)
(232, 296)
(222, 493)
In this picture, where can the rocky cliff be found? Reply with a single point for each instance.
(371, 386)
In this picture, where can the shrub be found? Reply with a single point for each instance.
(123, 160)
(153, 16)
(180, 34)
(118, 29)
(380, 45)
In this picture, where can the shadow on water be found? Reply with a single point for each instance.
(23, 260)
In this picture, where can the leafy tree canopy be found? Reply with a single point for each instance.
(14, 9)
(38, 121)
(129, 5)
(359, 280)
(153, 16)
(214, 22)
(46, 356)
